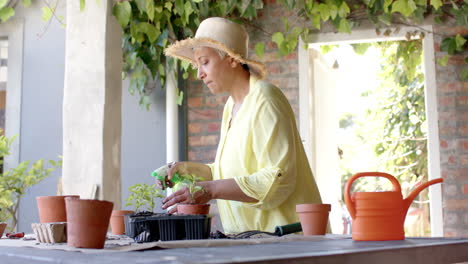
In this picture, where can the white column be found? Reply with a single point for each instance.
(172, 120)
(92, 102)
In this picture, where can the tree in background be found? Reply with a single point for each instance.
(393, 129)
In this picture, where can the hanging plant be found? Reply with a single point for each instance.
(150, 25)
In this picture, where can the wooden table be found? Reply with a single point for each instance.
(342, 250)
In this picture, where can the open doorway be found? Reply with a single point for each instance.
(319, 119)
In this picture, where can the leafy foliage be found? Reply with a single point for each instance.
(143, 196)
(190, 181)
(150, 25)
(15, 181)
(395, 125)
(405, 128)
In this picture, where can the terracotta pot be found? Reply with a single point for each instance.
(52, 208)
(193, 209)
(2, 228)
(117, 221)
(314, 218)
(87, 222)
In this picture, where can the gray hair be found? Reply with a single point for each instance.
(221, 53)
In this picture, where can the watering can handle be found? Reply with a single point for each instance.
(347, 195)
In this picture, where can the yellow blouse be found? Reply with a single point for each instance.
(263, 152)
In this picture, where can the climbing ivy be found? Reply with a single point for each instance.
(7, 8)
(150, 25)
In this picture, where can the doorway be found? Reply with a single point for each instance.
(319, 119)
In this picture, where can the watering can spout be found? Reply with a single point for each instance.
(418, 189)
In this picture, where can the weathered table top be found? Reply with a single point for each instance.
(343, 250)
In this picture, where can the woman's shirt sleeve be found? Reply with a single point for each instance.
(211, 166)
(273, 147)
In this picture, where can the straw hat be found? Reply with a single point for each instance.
(222, 34)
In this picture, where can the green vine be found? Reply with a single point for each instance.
(150, 25)
(7, 8)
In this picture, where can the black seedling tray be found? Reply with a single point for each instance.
(165, 227)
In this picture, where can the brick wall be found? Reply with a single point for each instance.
(452, 97)
(205, 111)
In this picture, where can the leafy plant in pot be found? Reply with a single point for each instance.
(190, 181)
(143, 196)
(15, 181)
(143, 200)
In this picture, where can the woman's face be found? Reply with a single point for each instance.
(212, 69)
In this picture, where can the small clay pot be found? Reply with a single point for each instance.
(87, 222)
(193, 209)
(52, 208)
(2, 228)
(117, 221)
(314, 218)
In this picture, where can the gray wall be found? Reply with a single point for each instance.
(143, 132)
(41, 103)
(143, 139)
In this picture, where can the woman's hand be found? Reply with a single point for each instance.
(167, 171)
(183, 196)
(182, 168)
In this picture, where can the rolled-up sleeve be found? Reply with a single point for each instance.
(274, 149)
(211, 166)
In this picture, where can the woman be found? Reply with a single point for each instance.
(260, 171)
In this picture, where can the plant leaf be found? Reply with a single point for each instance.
(443, 61)
(179, 6)
(405, 7)
(6, 13)
(459, 42)
(82, 5)
(464, 75)
(436, 4)
(123, 12)
(188, 10)
(260, 49)
(387, 4)
(449, 45)
(324, 11)
(150, 9)
(344, 26)
(3, 3)
(344, 10)
(46, 13)
(180, 97)
(278, 38)
(361, 48)
(168, 6)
